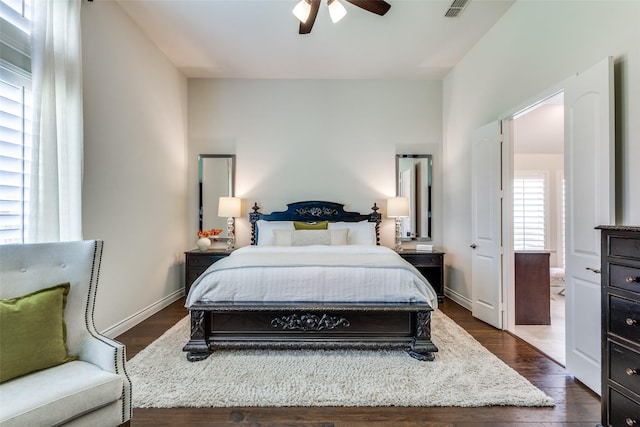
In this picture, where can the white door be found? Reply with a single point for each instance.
(589, 192)
(486, 212)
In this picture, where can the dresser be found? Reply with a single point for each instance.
(532, 288)
(197, 261)
(430, 265)
(620, 325)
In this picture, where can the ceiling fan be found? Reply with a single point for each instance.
(307, 10)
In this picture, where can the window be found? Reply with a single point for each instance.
(15, 120)
(529, 211)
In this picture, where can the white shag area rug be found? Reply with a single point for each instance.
(464, 373)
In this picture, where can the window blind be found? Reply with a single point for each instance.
(529, 213)
(15, 120)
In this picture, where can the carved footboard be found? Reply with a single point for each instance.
(404, 326)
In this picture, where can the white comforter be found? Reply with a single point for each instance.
(312, 274)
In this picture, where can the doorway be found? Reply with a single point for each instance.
(537, 212)
(589, 190)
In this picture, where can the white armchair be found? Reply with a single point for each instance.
(93, 390)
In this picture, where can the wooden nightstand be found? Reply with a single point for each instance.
(197, 261)
(431, 265)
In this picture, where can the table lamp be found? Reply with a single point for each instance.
(230, 207)
(398, 207)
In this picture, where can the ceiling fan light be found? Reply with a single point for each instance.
(302, 11)
(336, 10)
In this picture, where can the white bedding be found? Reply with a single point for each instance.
(316, 273)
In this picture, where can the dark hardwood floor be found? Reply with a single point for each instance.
(575, 404)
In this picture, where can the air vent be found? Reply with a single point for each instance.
(456, 8)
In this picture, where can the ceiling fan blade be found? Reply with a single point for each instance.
(305, 27)
(379, 7)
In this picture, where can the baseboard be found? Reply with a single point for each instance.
(145, 313)
(459, 299)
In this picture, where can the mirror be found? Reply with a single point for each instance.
(413, 180)
(215, 180)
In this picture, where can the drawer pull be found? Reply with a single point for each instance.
(631, 422)
(632, 279)
(631, 321)
(595, 270)
(631, 372)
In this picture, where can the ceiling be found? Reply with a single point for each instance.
(259, 38)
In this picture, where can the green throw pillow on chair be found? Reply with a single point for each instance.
(33, 332)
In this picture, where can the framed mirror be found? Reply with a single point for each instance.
(413, 180)
(215, 179)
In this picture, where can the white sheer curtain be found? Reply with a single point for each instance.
(56, 185)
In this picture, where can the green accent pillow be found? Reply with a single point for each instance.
(33, 332)
(300, 225)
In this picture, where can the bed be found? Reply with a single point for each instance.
(288, 292)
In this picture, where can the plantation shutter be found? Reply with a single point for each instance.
(15, 120)
(529, 213)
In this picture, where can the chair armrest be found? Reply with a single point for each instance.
(110, 356)
(103, 352)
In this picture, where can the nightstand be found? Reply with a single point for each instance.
(431, 265)
(197, 261)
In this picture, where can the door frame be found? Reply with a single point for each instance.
(508, 270)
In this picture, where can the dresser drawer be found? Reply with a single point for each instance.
(625, 247)
(624, 277)
(622, 410)
(423, 260)
(624, 318)
(203, 260)
(194, 273)
(623, 363)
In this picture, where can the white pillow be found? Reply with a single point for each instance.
(310, 237)
(265, 230)
(360, 233)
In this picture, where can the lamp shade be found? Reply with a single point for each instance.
(302, 10)
(336, 11)
(229, 207)
(398, 207)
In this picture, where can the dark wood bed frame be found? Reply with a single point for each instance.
(294, 325)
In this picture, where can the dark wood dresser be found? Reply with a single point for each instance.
(532, 288)
(431, 265)
(197, 261)
(620, 325)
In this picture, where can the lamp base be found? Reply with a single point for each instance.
(398, 247)
(231, 240)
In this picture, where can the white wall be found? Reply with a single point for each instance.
(552, 165)
(134, 193)
(534, 46)
(301, 140)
